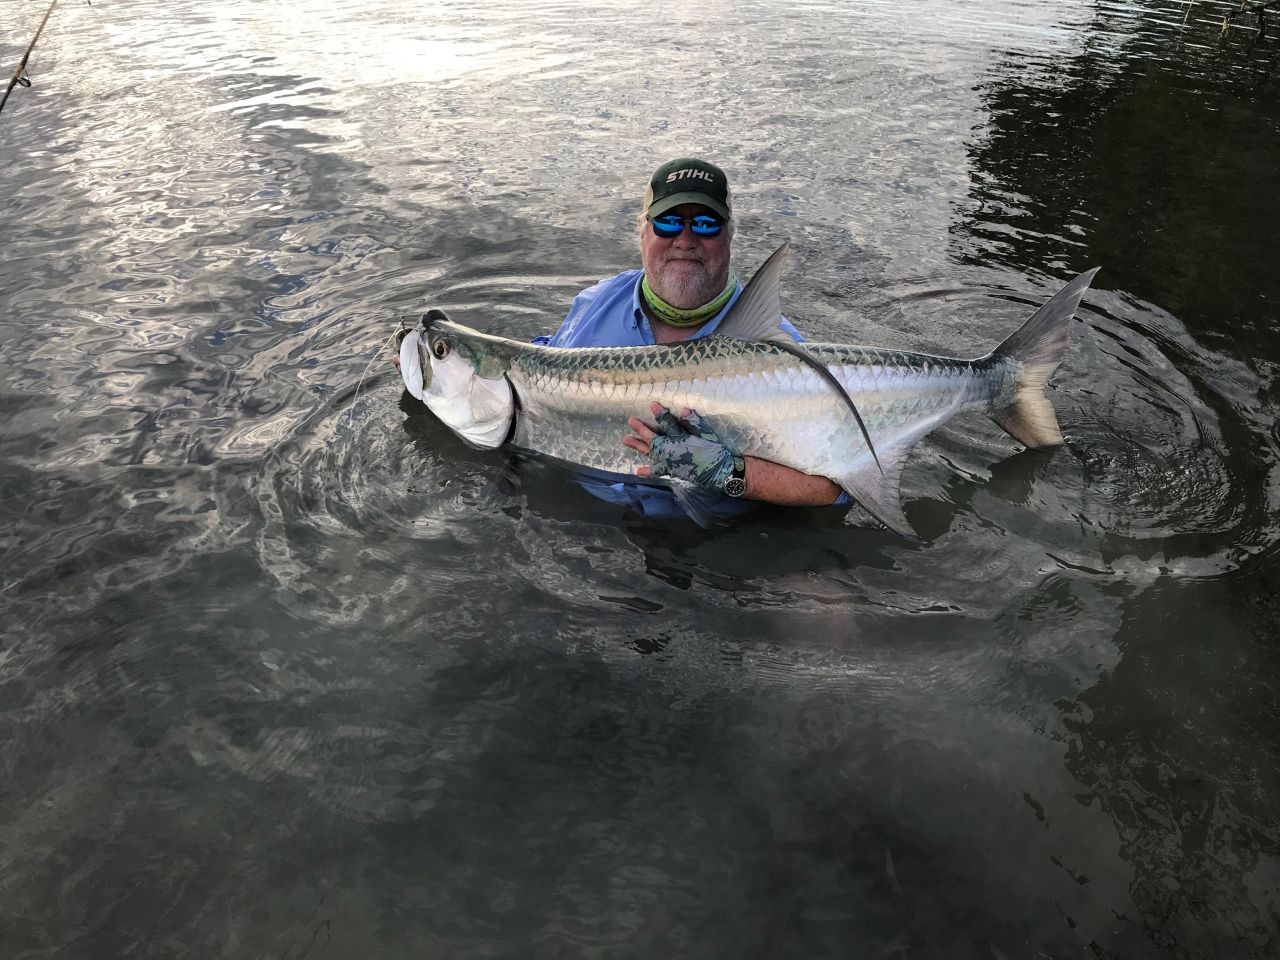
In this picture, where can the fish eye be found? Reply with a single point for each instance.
(440, 348)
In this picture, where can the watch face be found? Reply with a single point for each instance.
(735, 487)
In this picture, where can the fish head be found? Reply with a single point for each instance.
(461, 375)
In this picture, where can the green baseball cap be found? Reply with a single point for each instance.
(687, 180)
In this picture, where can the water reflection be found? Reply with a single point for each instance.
(1177, 748)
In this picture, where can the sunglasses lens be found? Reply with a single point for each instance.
(667, 226)
(707, 226)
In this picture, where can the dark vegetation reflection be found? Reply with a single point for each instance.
(1158, 162)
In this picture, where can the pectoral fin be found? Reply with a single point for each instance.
(696, 501)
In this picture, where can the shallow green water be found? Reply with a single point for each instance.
(286, 670)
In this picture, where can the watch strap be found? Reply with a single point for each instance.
(735, 485)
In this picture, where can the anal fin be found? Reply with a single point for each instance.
(878, 492)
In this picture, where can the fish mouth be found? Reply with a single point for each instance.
(414, 364)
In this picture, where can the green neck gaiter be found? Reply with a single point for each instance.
(686, 318)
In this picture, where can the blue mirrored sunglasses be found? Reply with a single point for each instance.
(669, 225)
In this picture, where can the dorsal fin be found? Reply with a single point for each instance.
(756, 316)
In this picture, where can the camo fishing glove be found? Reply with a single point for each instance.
(688, 449)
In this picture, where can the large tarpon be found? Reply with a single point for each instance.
(811, 406)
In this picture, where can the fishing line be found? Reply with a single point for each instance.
(372, 360)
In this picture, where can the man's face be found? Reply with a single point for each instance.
(686, 271)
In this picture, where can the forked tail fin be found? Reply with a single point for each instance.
(1037, 348)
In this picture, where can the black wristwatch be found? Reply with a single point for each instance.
(735, 485)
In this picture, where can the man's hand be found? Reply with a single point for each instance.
(684, 448)
(688, 440)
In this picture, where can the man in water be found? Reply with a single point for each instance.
(683, 291)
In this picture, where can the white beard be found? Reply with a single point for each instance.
(686, 286)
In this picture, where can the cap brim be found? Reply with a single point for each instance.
(659, 207)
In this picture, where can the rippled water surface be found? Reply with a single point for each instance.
(286, 670)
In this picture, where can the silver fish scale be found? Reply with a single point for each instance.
(760, 399)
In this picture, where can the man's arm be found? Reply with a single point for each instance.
(774, 483)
